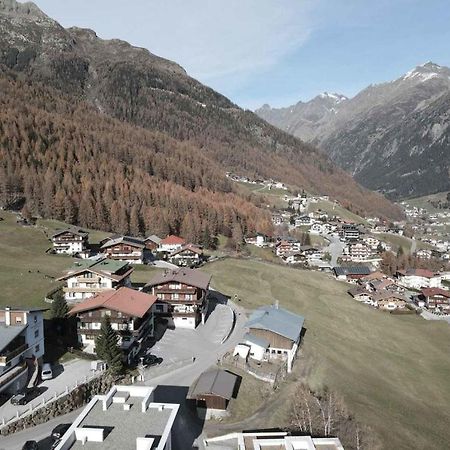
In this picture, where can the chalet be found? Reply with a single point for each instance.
(277, 219)
(436, 299)
(258, 239)
(279, 329)
(287, 245)
(181, 296)
(130, 314)
(294, 257)
(351, 273)
(187, 256)
(389, 300)
(152, 242)
(386, 285)
(70, 241)
(21, 347)
(125, 248)
(349, 232)
(170, 244)
(87, 278)
(374, 276)
(371, 242)
(357, 251)
(304, 221)
(361, 295)
(212, 391)
(418, 278)
(423, 254)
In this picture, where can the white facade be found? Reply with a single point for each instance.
(418, 282)
(80, 290)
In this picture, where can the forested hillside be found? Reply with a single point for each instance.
(71, 163)
(166, 116)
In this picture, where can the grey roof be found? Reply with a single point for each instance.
(256, 340)
(73, 230)
(154, 238)
(277, 320)
(216, 381)
(191, 277)
(352, 270)
(9, 333)
(134, 242)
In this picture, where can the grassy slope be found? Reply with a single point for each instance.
(22, 255)
(393, 371)
(332, 209)
(423, 202)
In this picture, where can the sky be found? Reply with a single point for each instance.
(274, 51)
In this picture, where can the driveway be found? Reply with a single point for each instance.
(335, 249)
(67, 375)
(178, 348)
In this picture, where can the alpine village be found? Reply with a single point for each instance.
(179, 273)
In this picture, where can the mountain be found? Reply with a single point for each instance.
(392, 137)
(78, 71)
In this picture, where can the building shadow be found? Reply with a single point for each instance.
(215, 298)
(188, 425)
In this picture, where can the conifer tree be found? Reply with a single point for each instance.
(59, 309)
(107, 347)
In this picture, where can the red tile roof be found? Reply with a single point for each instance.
(431, 292)
(417, 272)
(173, 240)
(125, 300)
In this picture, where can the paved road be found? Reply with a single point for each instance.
(335, 249)
(40, 433)
(429, 316)
(65, 375)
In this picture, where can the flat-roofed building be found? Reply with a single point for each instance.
(265, 440)
(126, 418)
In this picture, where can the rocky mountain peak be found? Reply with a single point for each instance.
(427, 71)
(27, 9)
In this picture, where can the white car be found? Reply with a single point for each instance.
(47, 372)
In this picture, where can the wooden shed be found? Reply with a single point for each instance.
(213, 389)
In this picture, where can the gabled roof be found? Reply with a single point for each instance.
(383, 295)
(425, 273)
(217, 382)
(128, 240)
(374, 276)
(358, 290)
(116, 270)
(431, 292)
(189, 247)
(128, 301)
(73, 230)
(173, 240)
(153, 238)
(351, 270)
(277, 320)
(191, 277)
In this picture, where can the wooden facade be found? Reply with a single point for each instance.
(211, 401)
(275, 340)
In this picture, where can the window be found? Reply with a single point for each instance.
(18, 319)
(35, 319)
(90, 313)
(36, 333)
(36, 349)
(159, 308)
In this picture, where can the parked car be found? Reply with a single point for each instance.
(26, 395)
(47, 372)
(152, 360)
(59, 430)
(30, 445)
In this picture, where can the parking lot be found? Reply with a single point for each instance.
(65, 375)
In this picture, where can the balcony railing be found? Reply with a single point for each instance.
(6, 358)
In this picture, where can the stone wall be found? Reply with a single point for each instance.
(70, 402)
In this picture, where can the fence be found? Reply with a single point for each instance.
(45, 401)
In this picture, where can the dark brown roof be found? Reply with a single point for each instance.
(216, 382)
(189, 247)
(190, 277)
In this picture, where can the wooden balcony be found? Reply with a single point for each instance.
(7, 357)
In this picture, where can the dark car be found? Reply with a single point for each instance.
(23, 397)
(59, 430)
(30, 445)
(152, 360)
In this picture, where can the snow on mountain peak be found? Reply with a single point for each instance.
(336, 97)
(427, 71)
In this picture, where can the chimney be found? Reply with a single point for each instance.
(277, 304)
